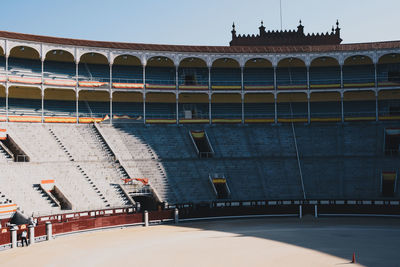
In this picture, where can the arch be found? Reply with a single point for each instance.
(389, 58)
(24, 52)
(225, 62)
(193, 73)
(161, 73)
(2, 102)
(127, 72)
(93, 58)
(160, 61)
(291, 74)
(358, 72)
(291, 62)
(258, 74)
(59, 55)
(1, 51)
(324, 62)
(192, 62)
(358, 59)
(127, 60)
(258, 62)
(325, 73)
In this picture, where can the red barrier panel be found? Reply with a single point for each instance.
(161, 215)
(40, 230)
(5, 238)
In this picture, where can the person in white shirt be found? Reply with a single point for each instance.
(23, 238)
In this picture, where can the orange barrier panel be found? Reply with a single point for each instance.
(90, 120)
(60, 119)
(356, 85)
(324, 86)
(47, 181)
(128, 85)
(60, 82)
(28, 80)
(325, 119)
(24, 119)
(91, 84)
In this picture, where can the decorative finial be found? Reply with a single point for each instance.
(300, 22)
(262, 23)
(333, 28)
(337, 23)
(233, 25)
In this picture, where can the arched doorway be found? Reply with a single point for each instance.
(258, 75)
(226, 75)
(325, 73)
(291, 74)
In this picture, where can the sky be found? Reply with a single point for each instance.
(201, 22)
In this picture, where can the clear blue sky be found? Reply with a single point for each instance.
(201, 22)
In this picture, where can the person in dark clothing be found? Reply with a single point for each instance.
(23, 238)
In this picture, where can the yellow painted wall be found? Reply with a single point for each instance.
(259, 98)
(28, 52)
(57, 94)
(359, 96)
(291, 97)
(389, 95)
(129, 61)
(24, 92)
(195, 63)
(287, 62)
(2, 91)
(389, 59)
(229, 63)
(358, 61)
(324, 62)
(324, 97)
(193, 98)
(94, 96)
(226, 98)
(260, 63)
(127, 97)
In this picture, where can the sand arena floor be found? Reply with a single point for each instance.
(247, 242)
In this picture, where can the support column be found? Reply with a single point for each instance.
(144, 107)
(341, 76)
(49, 231)
(209, 108)
(144, 93)
(242, 78)
(315, 211)
(376, 75)
(41, 87)
(6, 102)
(111, 107)
(308, 78)
(6, 85)
(342, 105)
(42, 93)
(77, 89)
(276, 108)
(146, 218)
(300, 211)
(177, 108)
(242, 98)
(77, 104)
(176, 216)
(13, 231)
(209, 95)
(31, 234)
(308, 108)
(376, 105)
(275, 80)
(111, 92)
